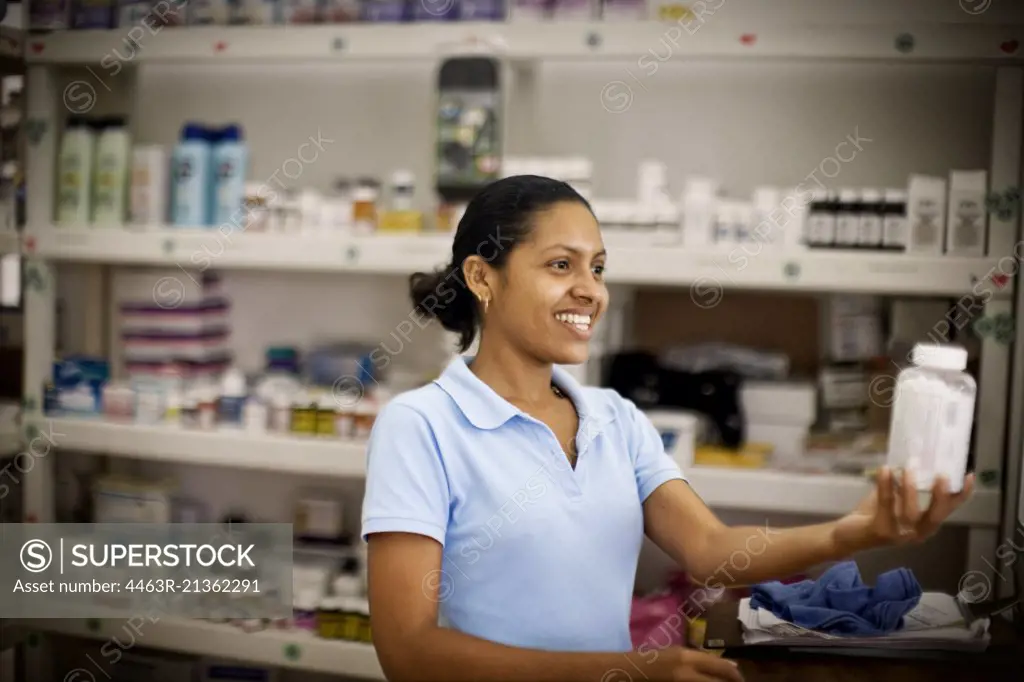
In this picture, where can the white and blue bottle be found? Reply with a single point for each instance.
(230, 162)
(191, 178)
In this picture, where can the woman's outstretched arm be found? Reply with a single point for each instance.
(717, 555)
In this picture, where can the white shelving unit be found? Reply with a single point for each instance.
(798, 493)
(298, 651)
(755, 268)
(874, 31)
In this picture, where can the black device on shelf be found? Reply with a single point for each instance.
(638, 376)
(469, 123)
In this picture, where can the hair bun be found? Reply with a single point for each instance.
(442, 295)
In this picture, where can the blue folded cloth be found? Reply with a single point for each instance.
(839, 603)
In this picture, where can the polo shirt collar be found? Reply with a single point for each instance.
(485, 409)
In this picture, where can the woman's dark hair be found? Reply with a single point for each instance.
(495, 222)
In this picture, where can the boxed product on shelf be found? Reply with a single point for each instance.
(855, 327)
(124, 499)
(76, 386)
(208, 12)
(623, 10)
(48, 15)
(340, 11)
(530, 10)
(967, 215)
(926, 214)
(482, 10)
(300, 11)
(779, 413)
(575, 10)
(133, 12)
(94, 14)
(345, 618)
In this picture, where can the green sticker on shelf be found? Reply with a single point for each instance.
(31, 431)
(292, 652)
(988, 477)
(35, 129)
(33, 278)
(791, 270)
(352, 254)
(168, 246)
(905, 43)
(92, 625)
(1004, 205)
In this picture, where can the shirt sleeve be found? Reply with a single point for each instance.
(406, 484)
(651, 464)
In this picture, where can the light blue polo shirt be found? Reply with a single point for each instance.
(536, 554)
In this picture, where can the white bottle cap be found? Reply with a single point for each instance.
(939, 357)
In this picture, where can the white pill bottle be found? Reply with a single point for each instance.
(932, 417)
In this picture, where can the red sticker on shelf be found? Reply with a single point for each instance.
(38, 48)
(31, 518)
(748, 38)
(220, 47)
(1010, 46)
(1000, 279)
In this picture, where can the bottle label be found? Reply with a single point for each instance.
(821, 229)
(847, 229)
(954, 442)
(870, 230)
(895, 231)
(926, 232)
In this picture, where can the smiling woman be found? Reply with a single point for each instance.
(509, 503)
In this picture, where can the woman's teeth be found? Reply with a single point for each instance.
(581, 322)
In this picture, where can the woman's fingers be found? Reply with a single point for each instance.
(940, 507)
(908, 512)
(717, 668)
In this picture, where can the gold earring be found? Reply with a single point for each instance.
(486, 302)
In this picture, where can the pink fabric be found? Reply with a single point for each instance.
(661, 620)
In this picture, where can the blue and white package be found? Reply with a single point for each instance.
(132, 12)
(481, 10)
(385, 11)
(95, 14)
(78, 385)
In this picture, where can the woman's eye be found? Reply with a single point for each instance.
(599, 269)
(560, 264)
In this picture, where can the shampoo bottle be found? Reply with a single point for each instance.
(230, 161)
(74, 172)
(191, 176)
(113, 158)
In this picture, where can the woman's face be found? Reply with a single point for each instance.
(551, 292)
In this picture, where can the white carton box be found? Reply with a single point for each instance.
(967, 218)
(926, 214)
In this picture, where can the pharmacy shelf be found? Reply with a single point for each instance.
(720, 487)
(319, 456)
(587, 40)
(285, 649)
(755, 266)
(707, 272)
(211, 248)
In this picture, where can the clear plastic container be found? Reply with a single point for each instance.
(932, 418)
